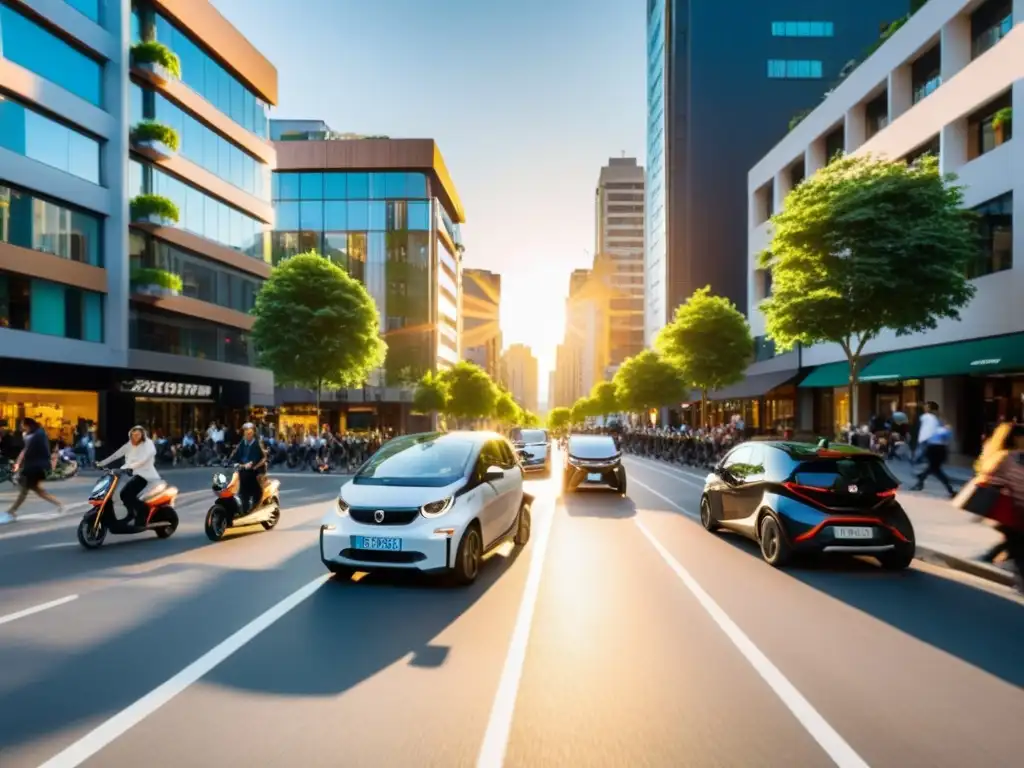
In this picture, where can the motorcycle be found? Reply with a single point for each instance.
(226, 511)
(161, 517)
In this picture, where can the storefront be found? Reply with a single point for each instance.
(173, 406)
(64, 414)
(355, 410)
(766, 402)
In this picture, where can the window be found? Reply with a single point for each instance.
(794, 69)
(420, 460)
(803, 29)
(983, 136)
(990, 23)
(995, 231)
(191, 337)
(33, 222)
(342, 185)
(930, 147)
(876, 115)
(925, 73)
(40, 51)
(39, 138)
(52, 309)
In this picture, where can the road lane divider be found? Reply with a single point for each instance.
(834, 745)
(109, 731)
(633, 481)
(37, 609)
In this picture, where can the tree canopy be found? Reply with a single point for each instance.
(507, 410)
(316, 325)
(647, 381)
(431, 394)
(581, 410)
(708, 341)
(529, 419)
(605, 399)
(471, 393)
(559, 418)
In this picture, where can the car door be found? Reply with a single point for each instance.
(733, 478)
(513, 484)
(746, 495)
(494, 494)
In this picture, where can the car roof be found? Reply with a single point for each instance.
(798, 450)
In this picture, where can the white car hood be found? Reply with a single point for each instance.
(393, 496)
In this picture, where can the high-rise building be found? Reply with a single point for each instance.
(521, 375)
(387, 211)
(620, 236)
(480, 312)
(719, 96)
(134, 216)
(583, 358)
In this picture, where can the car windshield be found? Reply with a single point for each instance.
(428, 460)
(528, 436)
(592, 447)
(868, 473)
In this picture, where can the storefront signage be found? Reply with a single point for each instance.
(166, 388)
(992, 361)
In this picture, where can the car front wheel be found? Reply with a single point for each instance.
(707, 518)
(468, 557)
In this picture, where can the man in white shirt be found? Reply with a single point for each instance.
(933, 442)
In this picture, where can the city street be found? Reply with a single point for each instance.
(622, 635)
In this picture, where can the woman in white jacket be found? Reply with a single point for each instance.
(139, 456)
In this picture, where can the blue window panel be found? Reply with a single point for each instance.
(135, 114)
(47, 308)
(798, 69)
(335, 186)
(311, 186)
(378, 215)
(416, 185)
(418, 216)
(358, 187)
(311, 215)
(92, 317)
(40, 51)
(30, 134)
(336, 215)
(288, 186)
(358, 214)
(378, 186)
(275, 186)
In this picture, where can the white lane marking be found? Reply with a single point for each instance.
(835, 746)
(37, 609)
(126, 719)
(499, 725)
(58, 545)
(664, 498)
(675, 474)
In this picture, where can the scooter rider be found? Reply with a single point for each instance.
(139, 456)
(252, 456)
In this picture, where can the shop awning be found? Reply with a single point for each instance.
(828, 375)
(754, 386)
(995, 355)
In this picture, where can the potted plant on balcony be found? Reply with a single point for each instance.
(149, 281)
(154, 209)
(1001, 124)
(155, 137)
(156, 59)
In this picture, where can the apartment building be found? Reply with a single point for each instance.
(583, 358)
(945, 83)
(134, 215)
(521, 375)
(481, 320)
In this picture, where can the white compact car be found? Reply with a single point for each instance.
(430, 502)
(534, 449)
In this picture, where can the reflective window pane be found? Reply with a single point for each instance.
(335, 215)
(33, 222)
(335, 186)
(30, 134)
(288, 186)
(311, 215)
(287, 215)
(311, 186)
(378, 215)
(358, 186)
(418, 216)
(358, 214)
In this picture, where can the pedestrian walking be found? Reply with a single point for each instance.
(34, 463)
(933, 439)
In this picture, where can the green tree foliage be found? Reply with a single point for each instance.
(605, 398)
(647, 381)
(582, 409)
(471, 393)
(529, 419)
(866, 245)
(507, 410)
(430, 395)
(559, 418)
(708, 341)
(315, 326)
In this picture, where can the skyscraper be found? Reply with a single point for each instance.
(720, 94)
(480, 313)
(521, 375)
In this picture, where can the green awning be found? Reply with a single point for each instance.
(1003, 353)
(828, 375)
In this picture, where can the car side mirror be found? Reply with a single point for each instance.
(494, 473)
(523, 453)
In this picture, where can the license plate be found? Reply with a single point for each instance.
(377, 543)
(853, 533)
(594, 477)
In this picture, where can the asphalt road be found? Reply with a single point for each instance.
(622, 635)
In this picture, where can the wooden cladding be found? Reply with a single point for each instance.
(57, 269)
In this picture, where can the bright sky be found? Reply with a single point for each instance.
(527, 100)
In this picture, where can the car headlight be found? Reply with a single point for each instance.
(437, 508)
(341, 509)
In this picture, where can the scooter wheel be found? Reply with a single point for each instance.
(89, 536)
(216, 523)
(275, 518)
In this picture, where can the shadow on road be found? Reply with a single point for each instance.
(598, 502)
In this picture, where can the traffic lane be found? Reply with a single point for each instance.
(624, 667)
(390, 669)
(862, 644)
(68, 669)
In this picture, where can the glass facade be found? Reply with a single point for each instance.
(201, 279)
(794, 69)
(995, 234)
(655, 263)
(39, 138)
(30, 221)
(155, 331)
(201, 214)
(39, 306)
(203, 74)
(201, 145)
(377, 226)
(40, 51)
(803, 29)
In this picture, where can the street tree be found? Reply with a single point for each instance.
(471, 393)
(315, 325)
(507, 410)
(559, 418)
(647, 381)
(709, 342)
(430, 396)
(529, 419)
(867, 245)
(581, 410)
(605, 398)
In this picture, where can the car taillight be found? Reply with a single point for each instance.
(889, 494)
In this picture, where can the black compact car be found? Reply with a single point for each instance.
(594, 460)
(798, 498)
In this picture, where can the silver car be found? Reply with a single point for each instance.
(534, 448)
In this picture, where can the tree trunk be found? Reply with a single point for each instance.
(703, 408)
(319, 386)
(851, 407)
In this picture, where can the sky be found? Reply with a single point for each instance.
(527, 99)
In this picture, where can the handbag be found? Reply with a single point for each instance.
(985, 500)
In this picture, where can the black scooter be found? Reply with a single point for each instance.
(226, 511)
(161, 517)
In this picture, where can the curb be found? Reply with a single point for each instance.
(974, 568)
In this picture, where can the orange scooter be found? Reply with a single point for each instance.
(226, 511)
(100, 520)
